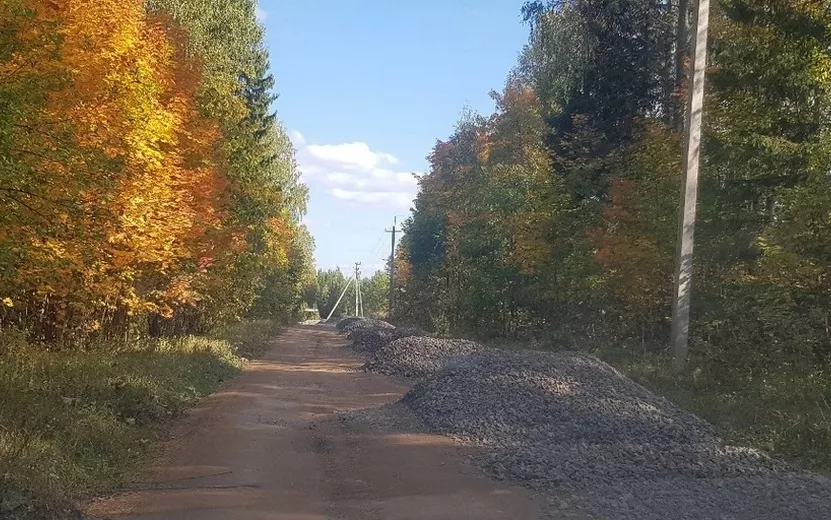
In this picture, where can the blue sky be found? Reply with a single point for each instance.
(366, 87)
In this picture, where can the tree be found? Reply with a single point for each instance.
(557, 212)
(330, 285)
(146, 176)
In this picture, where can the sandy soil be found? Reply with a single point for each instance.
(283, 441)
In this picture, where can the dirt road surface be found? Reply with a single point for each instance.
(269, 445)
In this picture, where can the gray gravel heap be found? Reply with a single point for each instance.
(417, 356)
(573, 427)
(363, 323)
(347, 322)
(357, 332)
(369, 341)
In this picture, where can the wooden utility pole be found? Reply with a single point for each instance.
(689, 188)
(392, 267)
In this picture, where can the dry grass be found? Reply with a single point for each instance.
(74, 423)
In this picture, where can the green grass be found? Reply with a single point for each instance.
(76, 423)
(785, 413)
(249, 337)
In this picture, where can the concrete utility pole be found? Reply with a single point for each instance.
(357, 288)
(681, 37)
(339, 299)
(392, 266)
(689, 188)
(361, 300)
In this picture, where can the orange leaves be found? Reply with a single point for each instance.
(636, 262)
(616, 209)
(114, 161)
(138, 168)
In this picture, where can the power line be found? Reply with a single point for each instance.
(378, 244)
(376, 250)
(373, 257)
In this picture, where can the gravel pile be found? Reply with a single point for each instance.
(369, 341)
(573, 427)
(347, 323)
(417, 356)
(359, 332)
(362, 324)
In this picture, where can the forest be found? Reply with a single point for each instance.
(332, 283)
(151, 209)
(553, 220)
(144, 178)
(151, 232)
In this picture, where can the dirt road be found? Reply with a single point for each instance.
(268, 445)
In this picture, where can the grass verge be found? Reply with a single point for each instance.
(75, 423)
(785, 413)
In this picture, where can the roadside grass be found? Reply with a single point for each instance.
(786, 413)
(76, 422)
(249, 338)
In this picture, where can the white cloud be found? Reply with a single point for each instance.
(355, 155)
(354, 172)
(388, 198)
(260, 13)
(297, 138)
